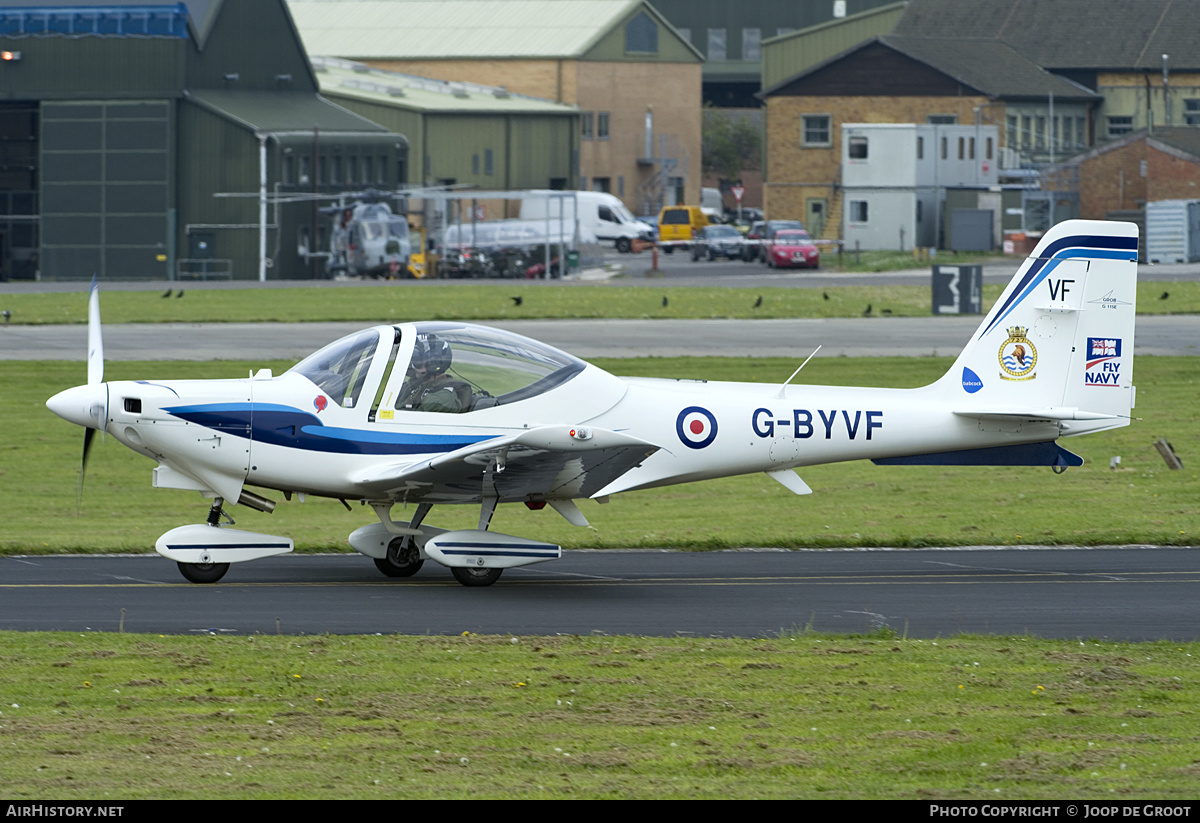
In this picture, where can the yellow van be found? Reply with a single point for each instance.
(677, 225)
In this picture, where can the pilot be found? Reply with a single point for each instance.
(427, 387)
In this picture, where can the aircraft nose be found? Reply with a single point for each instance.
(83, 405)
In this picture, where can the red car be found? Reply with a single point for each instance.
(792, 248)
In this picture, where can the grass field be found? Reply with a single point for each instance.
(854, 504)
(493, 300)
(113, 717)
(109, 717)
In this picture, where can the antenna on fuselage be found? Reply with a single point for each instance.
(797, 371)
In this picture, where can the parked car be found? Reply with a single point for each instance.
(717, 241)
(769, 228)
(678, 224)
(754, 239)
(792, 248)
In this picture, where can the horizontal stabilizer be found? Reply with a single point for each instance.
(1039, 414)
(1047, 453)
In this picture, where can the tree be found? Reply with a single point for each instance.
(729, 144)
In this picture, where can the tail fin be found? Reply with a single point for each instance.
(1058, 344)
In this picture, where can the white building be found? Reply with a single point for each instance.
(894, 178)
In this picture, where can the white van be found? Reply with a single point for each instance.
(601, 215)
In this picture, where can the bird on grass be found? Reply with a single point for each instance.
(518, 300)
(758, 302)
(1164, 295)
(180, 294)
(167, 293)
(664, 302)
(825, 294)
(867, 313)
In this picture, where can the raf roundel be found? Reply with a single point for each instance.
(696, 427)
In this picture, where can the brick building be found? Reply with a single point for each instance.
(635, 80)
(1123, 175)
(896, 80)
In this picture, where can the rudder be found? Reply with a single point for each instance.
(1060, 338)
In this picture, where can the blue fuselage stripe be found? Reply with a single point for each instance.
(292, 428)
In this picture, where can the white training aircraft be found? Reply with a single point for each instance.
(433, 413)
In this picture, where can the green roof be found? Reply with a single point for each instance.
(345, 78)
(447, 29)
(990, 67)
(281, 111)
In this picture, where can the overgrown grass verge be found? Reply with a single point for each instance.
(122, 717)
(493, 301)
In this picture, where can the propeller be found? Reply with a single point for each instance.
(98, 407)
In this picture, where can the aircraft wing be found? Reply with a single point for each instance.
(545, 462)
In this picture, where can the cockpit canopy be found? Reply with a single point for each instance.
(444, 367)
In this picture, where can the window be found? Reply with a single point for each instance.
(920, 148)
(602, 125)
(474, 164)
(641, 35)
(289, 169)
(1026, 132)
(1010, 136)
(305, 170)
(368, 169)
(340, 369)
(856, 148)
(858, 211)
(480, 368)
(989, 149)
(1119, 125)
(1191, 112)
(716, 44)
(751, 48)
(1040, 134)
(815, 130)
(962, 153)
(601, 184)
(586, 125)
(942, 119)
(352, 170)
(945, 148)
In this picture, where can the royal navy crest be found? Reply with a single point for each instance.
(1017, 356)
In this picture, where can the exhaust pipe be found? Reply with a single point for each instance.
(254, 501)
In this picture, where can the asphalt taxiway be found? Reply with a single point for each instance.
(1126, 593)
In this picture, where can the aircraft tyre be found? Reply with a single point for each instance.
(476, 577)
(203, 572)
(401, 561)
